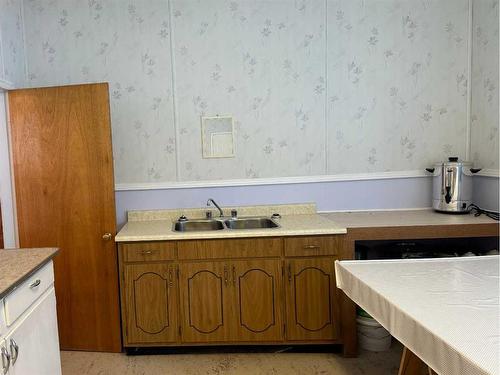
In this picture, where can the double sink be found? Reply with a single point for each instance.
(199, 225)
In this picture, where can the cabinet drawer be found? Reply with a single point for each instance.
(312, 245)
(27, 293)
(148, 251)
(231, 248)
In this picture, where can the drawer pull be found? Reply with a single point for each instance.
(146, 252)
(225, 275)
(311, 247)
(35, 283)
(289, 273)
(5, 361)
(14, 351)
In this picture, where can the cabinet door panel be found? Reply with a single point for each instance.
(310, 299)
(151, 303)
(206, 306)
(36, 339)
(258, 289)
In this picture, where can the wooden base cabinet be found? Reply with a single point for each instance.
(214, 292)
(310, 299)
(150, 297)
(33, 342)
(29, 341)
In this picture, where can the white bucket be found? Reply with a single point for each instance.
(372, 336)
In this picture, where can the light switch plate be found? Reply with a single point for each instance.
(217, 134)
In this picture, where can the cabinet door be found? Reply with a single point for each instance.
(33, 343)
(150, 303)
(206, 303)
(310, 299)
(258, 298)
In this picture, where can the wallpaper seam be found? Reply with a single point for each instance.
(174, 94)
(326, 89)
(468, 131)
(2, 54)
(26, 67)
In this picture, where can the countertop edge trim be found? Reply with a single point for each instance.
(487, 230)
(236, 236)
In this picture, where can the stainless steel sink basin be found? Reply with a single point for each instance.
(250, 223)
(198, 225)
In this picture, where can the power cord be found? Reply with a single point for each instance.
(478, 211)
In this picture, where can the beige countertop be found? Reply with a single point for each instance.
(17, 264)
(296, 220)
(290, 225)
(398, 218)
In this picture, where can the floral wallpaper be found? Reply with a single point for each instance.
(126, 43)
(12, 60)
(397, 83)
(315, 86)
(264, 63)
(484, 137)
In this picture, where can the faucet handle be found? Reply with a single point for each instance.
(208, 214)
(234, 214)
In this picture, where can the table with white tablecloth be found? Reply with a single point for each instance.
(445, 310)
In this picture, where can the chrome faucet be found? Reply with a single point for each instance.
(221, 214)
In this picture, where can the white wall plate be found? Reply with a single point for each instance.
(217, 137)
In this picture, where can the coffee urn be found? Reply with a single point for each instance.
(452, 185)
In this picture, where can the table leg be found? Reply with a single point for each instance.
(348, 308)
(348, 326)
(413, 365)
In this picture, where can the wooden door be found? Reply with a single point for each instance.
(206, 301)
(310, 299)
(150, 303)
(63, 175)
(258, 299)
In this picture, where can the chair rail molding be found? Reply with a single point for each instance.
(271, 180)
(489, 173)
(494, 173)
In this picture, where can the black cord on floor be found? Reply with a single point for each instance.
(478, 211)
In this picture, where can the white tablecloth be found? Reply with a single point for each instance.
(444, 310)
